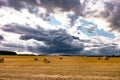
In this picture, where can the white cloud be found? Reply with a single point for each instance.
(63, 19)
(10, 15)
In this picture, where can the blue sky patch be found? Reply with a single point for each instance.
(94, 31)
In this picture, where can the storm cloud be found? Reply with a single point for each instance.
(1, 38)
(114, 17)
(50, 5)
(107, 10)
(64, 5)
(56, 41)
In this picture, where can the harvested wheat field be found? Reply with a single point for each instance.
(59, 68)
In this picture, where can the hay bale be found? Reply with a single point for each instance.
(36, 59)
(60, 58)
(46, 60)
(99, 58)
(1, 60)
(106, 58)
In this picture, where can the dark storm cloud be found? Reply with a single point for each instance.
(19, 47)
(15, 28)
(18, 4)
(56, 41)
(30, 5)
(100, 49)
(12, 45)
(39, 37)
(3, 2)
(21, 29)
(1, 38)
(109, 7)
(50, 5)
(115, 18)
(111, 14)
(65, 5)
(109, 50)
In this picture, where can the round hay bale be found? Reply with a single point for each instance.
(1, 60)
(99, 58)
(106, 58)
(45, 60)
(60, 58)
(36, 59)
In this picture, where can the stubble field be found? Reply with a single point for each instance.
(67, 68)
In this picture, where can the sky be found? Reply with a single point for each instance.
(60, 27)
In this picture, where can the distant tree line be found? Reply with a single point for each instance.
(7, 53)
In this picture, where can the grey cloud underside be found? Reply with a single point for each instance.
(65, 5)
(107, 50)
(1, 38)
(56, 41)
(100, 48)
(111, 13)
(50, 5)
(2, 3)
(12, 47)
(115, 19)
(21, 29)
(19, 4)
